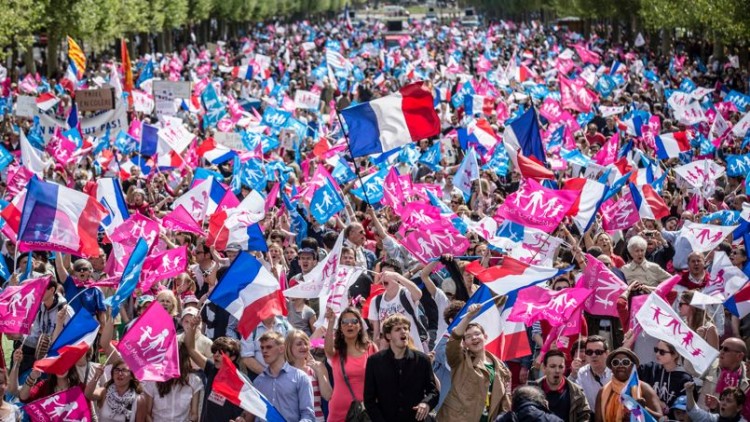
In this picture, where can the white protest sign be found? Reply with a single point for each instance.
(232, 140)
(164, 102)
(179, 89)
(95, 125)
(175, 134)
(26, 106)
(142, 102)
(659, 320)
(306, 100)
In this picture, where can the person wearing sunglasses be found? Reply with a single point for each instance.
(609, 407)
(592, 376)
(666, 375)
(729, 373)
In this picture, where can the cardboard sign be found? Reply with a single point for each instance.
(231, 140)
(179, 89)
(26, 106)
(101, 99)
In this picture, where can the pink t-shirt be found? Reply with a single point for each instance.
(355, 371)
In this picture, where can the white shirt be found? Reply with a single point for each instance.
(175, 406)
(588, 383)
(392, 307)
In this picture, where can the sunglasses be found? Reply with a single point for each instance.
(624, 363)
(350, 321)
(662, 352)
(597, 352)
(726, 349)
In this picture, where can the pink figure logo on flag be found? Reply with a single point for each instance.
(19, 305)
(434, 240)
(150, 346)
(536, 206)
(66, 406)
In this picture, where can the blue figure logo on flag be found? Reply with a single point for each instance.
(325, 203)
(372, 189)
(459, 97)
(431, 158)
(275, 118)
(215, 109)
(253, 175)
(342, 173)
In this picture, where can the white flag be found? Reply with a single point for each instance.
(705, 237)
(659, 320)
(725, 279)
(320, 277)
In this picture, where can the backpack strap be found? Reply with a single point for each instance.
(406, 303)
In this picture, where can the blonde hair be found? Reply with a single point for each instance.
(172, 298)
(291, 338)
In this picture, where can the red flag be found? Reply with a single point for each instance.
(127, 71)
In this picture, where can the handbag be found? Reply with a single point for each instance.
(357, 412)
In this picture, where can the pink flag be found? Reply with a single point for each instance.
(18, 178)
(273, 195)
(228, 201)
(135, 227)
(619, 215)
(163, 265)
(19, 304)
(135, 129)
(574, 97)
(606, 286)
(551, 110)
(393, 196)
(435, 240)
(586, 55)
(536, 206)
(180, 220)
(60, 147)
(68, 405)
(416, 215)
(608, 154)
(149, 347)
(537, 303)
(28, 84)
(118, 258)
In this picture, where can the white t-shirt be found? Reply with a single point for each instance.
(442, 302)
(392, 307)
(175, 406)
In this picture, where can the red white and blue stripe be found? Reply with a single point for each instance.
(56, 218)
(585, 207)
(513, 275)
(232, 384)
(109, 194)
(386, 123)
(249, 292)
(71, 345)
(671, 145)
(650, 205)
(214, 152)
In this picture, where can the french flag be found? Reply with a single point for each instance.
(585, 207)
(513, 274)
(739, 303)
(506, 340)
(74, 341)
(214, 152)
(243, 72)
(59, 219)
(482, 131)
(12, 216)
(232, 384)
(478, 104)
(235, 226)
(670, 145)
(649, 203)
(249, 292)
(386, 123)
(109, 194)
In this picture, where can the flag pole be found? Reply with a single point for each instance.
(349, 147)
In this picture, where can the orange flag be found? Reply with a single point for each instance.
(127, 71)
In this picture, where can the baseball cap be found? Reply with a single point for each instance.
(233, 247)
(144, 299)
(311, 251)
(190, 310)
(190, 299)
(680, 403)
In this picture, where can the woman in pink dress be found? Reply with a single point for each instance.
(347, 343)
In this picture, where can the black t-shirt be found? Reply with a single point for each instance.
(215, 405)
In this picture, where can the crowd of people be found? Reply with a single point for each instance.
(411, 337)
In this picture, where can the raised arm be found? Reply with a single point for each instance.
(414, 291)
(425, 276)
(62, 262)
(191, 328)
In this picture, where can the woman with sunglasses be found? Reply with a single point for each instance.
(120, 399)
(666, 375)
(609, 407)
(347, 348)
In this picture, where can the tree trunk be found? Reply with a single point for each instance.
(718, 47)
(28, 59)
(666, 41)
(161, 41)
(53, 45)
